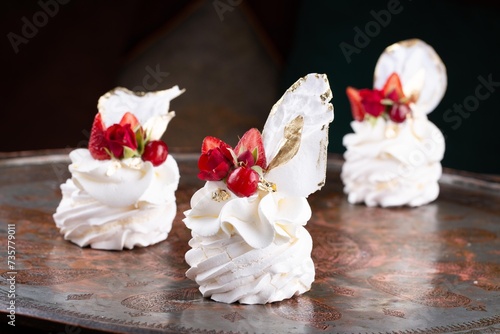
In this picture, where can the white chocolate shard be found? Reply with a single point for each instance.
(307, 98)
(421, 71)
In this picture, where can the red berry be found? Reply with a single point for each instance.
(358, 112)
(155, 151)
(118, 136)
(399, 112)
(210, 143)
(246, 159)
(97, 141)
(129, 118)
(393, 85)
(251, 140)
(243, 181)
(371, 101)
(213, 165)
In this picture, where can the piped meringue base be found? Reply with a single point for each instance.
(113, 205)
(375, 183)
(86, 222)
(229, 270)
(389, 164)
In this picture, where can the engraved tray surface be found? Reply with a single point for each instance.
(431, 269)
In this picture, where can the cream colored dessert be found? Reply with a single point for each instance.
(122, 203)
(396, 163)
(255, 249)
(115, 205)
(391, 165)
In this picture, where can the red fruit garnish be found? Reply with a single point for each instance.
(243, 181)
(399, 112)
(251, 140)
(246, 159)
(393, 86)
(210, 143)
(129, 118)
(155, 151)
(213, 165)
(97, 141)
(118, 136)
(372, 101)
(358, 112)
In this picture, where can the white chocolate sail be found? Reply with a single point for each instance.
(151, 109)
(420, 69)
(308, 98)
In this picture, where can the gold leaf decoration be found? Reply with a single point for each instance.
(220, 195)
(291, 144)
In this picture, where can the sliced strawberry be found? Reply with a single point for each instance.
(129, 118)
(358, 112)
(252, 140)
(210, 143)
(393, 86)
(97, 141)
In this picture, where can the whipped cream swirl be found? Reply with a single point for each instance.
(252, 250)
(116, 204)
(389, 164)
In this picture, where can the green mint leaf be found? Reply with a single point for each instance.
(128, 152)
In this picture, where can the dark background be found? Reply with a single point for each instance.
(234, 63)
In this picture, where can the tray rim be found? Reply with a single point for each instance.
(450, 177)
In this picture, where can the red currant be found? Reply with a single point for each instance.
(243, 181)
(398, 113)
(155, 151)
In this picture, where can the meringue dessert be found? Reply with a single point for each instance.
(121, 193)
(249, 243)
(393, 158)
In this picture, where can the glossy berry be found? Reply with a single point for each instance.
(399, 112)
(155, 151)
(243, 181)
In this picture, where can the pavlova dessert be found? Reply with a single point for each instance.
(249, 243)
(121, 193)
(393, 158)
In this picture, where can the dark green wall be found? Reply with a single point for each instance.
(466, 35)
